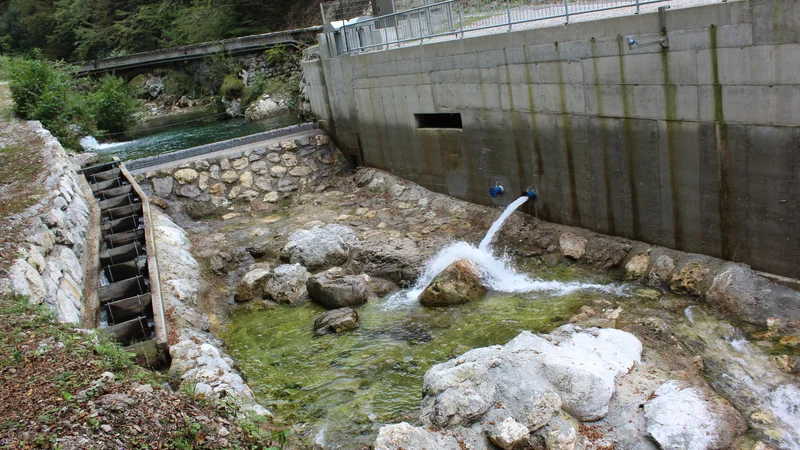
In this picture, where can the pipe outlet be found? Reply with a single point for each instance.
(494, 191)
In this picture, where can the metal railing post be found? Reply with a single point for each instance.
(461, 18)
(450, 16)
(566, 9)
(344, 33)
(428, 18)
(637, 6)
(419, 26)
(508, 11)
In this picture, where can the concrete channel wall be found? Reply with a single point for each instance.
(692, 147)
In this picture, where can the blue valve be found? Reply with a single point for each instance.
(494, 191)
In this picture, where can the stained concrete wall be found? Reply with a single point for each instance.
(693, 147)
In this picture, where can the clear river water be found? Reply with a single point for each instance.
(179, 137)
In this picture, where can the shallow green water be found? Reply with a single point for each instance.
(190, 135)
(349, 384)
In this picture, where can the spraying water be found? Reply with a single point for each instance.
(496, 272)
(487, 240)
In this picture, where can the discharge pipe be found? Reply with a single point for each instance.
(530, 192)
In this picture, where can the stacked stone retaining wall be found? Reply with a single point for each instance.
(53, 257)
(255, 177)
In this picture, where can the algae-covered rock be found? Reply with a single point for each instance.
(252, 284)
(458, 284)
(336, 321)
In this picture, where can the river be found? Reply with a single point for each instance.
(179, 137)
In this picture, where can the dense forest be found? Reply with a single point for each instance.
(76, 30)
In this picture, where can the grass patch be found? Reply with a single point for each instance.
(5, 72)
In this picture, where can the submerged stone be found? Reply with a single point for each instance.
(458, 284)
(336, 321)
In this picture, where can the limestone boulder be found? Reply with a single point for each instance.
(336, 321)
(739, 291)
(637, 267)
(508, 434)
(687, 419)
(530, 378)
(288, 284)
(334, 290)
(403, 436)
(457, 284)
(572, 246)
(691, 279)
(320, 247)
(252, 284)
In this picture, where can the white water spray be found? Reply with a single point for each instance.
(496, 272)
(486, 243)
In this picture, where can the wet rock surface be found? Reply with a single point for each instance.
(336, 321)
(398, 226)
(332, 289)
(459, 283)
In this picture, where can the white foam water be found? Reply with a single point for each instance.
(89, 143)
(486, 243)
(496, 272)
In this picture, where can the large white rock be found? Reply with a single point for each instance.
(686, 419)
(405, 436)
(320, 247)
(531, 377)
(25, 280)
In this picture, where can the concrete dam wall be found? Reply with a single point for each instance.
(693, 146)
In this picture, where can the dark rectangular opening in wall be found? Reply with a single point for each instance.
(439, 120)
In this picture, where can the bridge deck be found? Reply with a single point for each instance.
(203, 50)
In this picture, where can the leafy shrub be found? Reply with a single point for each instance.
(279, 56)
(113, 105)
(67, 106)
(180, 84)
(232, 87)
(253, 92)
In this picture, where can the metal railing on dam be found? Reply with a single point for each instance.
(453, 18)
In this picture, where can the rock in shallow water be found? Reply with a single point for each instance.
(458, 284)
(526, 381)
(334, 290)
(251, 286)
(336, 321)
(288, 284)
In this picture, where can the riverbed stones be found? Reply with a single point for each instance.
(459, 283)
(320, 247)
(662, 268)
(508, 434)
(687, 419)
(336, 321)
(690, 279)
(288, 284)
(333, 290)
(404, 436)
(252, 284)
(637, 267)
(162, 186)
(185, 176)
(752, 298)
(559, 434)
(572, 245)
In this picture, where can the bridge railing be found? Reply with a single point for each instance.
(454, 18)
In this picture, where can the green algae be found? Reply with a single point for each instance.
(351, 383)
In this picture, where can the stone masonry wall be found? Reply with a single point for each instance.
(52, 261)
(254, 178)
